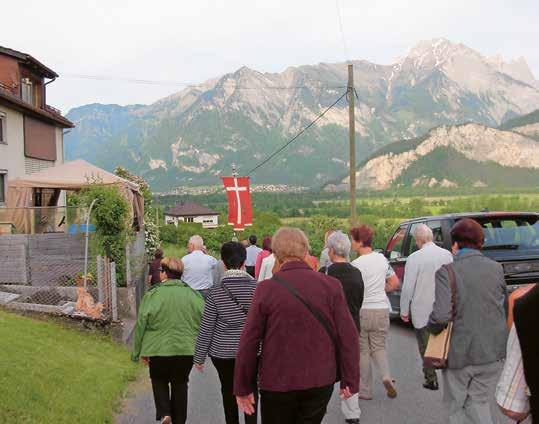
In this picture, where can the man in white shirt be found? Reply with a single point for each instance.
(417, 297)
(252, 253)
(198, 268)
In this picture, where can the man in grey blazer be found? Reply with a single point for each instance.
(479, 329)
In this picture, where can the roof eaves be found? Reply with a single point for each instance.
(29, 59)
(209, 213)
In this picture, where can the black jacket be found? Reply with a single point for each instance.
(526, 322)
(352, 284)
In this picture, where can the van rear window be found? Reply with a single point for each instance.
(510, 233)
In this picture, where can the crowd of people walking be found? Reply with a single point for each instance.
(282, 329)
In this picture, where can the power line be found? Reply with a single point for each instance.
(345, 47)
(284, 146)
(191, 85)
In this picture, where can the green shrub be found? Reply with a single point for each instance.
(111, 217)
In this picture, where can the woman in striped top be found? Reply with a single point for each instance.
(224, 315)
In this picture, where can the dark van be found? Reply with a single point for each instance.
(511, 238)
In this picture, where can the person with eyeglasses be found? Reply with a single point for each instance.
(165, 335)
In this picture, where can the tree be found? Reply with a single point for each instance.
(151, 230)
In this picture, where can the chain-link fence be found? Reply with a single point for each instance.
(47, 272)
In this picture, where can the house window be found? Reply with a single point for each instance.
(3, 179)
(3, 128)
(189, 219)
(27, 91)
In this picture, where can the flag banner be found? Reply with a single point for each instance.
(240, 213)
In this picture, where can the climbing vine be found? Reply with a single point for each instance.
(110, 216)
(151, 230)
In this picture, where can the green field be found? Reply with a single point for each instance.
(53, 374)
(173, 249)
(316, 212)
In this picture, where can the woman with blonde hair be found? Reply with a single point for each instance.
(165, 335)
(300, 324)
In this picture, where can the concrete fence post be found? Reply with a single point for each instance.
(100, 285)
(113, 292)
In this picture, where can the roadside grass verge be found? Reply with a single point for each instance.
(53, 374)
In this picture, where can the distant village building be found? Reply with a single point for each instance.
(31, 132)
(192, 212)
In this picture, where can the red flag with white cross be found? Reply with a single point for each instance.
(240, 213)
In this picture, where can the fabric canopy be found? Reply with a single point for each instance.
(74, 176)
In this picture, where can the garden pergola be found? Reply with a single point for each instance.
(70, 176)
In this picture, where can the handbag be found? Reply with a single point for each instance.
(231, 296)
(319, 317)
(438, 345)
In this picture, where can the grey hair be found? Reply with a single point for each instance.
(196, 241)
(340, 244)
(423, 232)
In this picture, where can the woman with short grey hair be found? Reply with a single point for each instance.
(339, 246)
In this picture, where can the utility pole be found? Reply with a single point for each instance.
(352, 134)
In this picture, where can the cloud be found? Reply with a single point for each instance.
(194, 41)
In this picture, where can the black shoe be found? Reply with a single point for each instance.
(352, 421)
(431, 385)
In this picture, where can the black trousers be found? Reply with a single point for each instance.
(295, 407)
(170, 377)
(422, 335)
(250, 270)
(225, 369)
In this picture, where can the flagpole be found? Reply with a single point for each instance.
(234, 174)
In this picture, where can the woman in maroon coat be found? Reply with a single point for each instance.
(302, 355)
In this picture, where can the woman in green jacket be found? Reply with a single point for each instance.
(165, 336)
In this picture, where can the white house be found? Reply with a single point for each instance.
(191, 212)
(31, 132)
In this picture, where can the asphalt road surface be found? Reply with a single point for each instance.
(414, 405)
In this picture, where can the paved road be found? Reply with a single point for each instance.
(414, 405)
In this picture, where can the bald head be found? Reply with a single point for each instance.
(195, 243)
(422, 234)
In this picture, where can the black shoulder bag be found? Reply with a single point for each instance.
(319, 317)
(231, 296)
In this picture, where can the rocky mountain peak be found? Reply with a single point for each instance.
(435, 52)
(517, 68)
(241, 116)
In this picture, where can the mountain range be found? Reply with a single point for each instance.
(192, 137)
(451, 156)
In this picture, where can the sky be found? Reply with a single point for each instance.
(191, 41)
